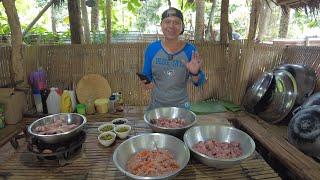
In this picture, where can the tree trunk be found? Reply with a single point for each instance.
(54, 19)
(224, 22)
(254, 16)
(169, 3)
(16, 71)
(75, 21)
(264, 17)
(95, 19)
(211, 19)
(85, 22)
(284, 22)
(199, 29)
(38, 17)
(108, 27)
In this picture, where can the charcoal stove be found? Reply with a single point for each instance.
(61, 152)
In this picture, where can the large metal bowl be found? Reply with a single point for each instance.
(151, 141)
(170, 112)
(71, 118)
(223, 134)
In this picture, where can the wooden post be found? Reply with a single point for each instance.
(17, 72)
(108, 28)
(75, 21)
(224, 23)
(284, 22)
(254, 16)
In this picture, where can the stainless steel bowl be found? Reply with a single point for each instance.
(223, 134)
(71, 118)
(170, 112)
(151, 141)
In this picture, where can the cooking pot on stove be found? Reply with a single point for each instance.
(304, 130)
(69, 118)
(305, 78)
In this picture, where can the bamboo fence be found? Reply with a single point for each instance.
(229, 68)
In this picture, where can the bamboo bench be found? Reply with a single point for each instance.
(278, 152)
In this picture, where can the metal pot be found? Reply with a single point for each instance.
(255, 93)
(282, 97)
(70, 118)
(305, 78)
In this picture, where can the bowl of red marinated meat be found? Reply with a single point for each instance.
(151, 156)
(57, 127)
(170, 120)
(219, 146)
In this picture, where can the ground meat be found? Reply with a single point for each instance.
(218, 149)
(152, 163)
(58, 126)
(169, 123)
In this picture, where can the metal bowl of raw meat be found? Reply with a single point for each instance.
(222, 144)
(57, 127)
(170, 117)
(123, 154)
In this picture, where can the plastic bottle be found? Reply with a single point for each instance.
(73, 100)
(65, 103)
(44, 95)
(38, 101)
(112, 100)
(53, 101)
(90, 106)
(119, 106)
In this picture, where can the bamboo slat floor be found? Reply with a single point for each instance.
(95, 161)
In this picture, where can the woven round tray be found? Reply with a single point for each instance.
(92, 86)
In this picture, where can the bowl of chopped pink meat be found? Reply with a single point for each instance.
(57, 127)
(219, 146)
(170, 120)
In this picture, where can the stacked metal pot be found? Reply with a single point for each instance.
(286, 93)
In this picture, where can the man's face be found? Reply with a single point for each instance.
(171, 27)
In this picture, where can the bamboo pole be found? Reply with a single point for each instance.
(38, 17)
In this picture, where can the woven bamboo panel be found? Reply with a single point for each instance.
(5, 61)
(229, 69)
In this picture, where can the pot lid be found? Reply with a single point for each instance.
(305, 78)
(255, 93)
(282, 97)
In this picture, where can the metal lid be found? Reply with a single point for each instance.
(255, 93)
(282, 97)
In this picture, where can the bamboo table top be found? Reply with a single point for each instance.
(95, 160)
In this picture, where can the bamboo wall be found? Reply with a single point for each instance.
(229, 69)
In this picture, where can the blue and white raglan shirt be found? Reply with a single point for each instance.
(169, 75)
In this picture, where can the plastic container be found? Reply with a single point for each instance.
(65, 103)
(101, 105)
(38, 101)
(112, 101)
(81, 109)
(73, 100)
(53, 101)
(90, 106)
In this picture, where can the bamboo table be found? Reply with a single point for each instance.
(95, 160)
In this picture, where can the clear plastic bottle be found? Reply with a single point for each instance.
(65, 103)
(112, 101)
